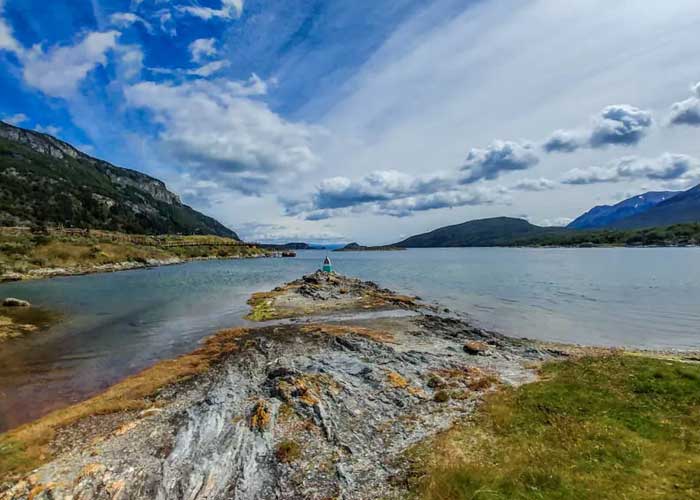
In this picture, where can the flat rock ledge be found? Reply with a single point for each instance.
(310, 410)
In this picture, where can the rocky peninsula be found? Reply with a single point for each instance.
(322, 404)
(348, 390)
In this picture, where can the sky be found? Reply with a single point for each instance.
(331, 121)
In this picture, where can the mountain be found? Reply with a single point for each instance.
(45, 181)
(681, 208)
(497, 231)
(607, 215)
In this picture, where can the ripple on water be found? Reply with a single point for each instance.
(120, 323)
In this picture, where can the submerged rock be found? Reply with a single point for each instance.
(12, 302)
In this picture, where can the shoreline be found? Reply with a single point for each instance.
(51, 272)
(29, 255)
(312, 408)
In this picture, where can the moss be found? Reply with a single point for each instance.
(27, 446)
(261, 307)
(593, 428)
(288, 451)
(441, 397)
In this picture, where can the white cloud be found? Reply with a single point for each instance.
(48, 129)
(167, 24)
(58, 71)
(687, 112)
(7, 39)
(130, 61)
(279, 233)
(540, 184)
(618, 124)
(230, 9)
(209, 69)
(16, 119)
(202, 48)
(667, 167)
(556, 222)
(389, 192)
(126, 19)
(500, 156)
(224, 133)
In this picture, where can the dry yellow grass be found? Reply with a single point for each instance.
(343, 330)
(81, 250)
(27, 446)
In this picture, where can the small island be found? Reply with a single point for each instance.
(356, 247)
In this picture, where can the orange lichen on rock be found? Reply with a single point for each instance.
(260, 418)
(397, 380)
(470, 377)
(476, 348)
(93, 469)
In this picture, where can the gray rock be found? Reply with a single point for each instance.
(12, 302)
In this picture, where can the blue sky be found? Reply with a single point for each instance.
(365, 120)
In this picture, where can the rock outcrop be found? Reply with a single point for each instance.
(297, 409)
(12, 302)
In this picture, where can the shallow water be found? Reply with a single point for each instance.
(117, 324)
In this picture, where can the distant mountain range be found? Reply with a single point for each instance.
(680, 208)
(497, 231)
(607, 215)
(509, 232)
(45, 181)
(652, 209)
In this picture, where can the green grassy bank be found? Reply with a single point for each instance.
(612, 427)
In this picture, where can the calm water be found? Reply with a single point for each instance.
(117, 324)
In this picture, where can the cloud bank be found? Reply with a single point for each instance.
(221, 131)
(615, 125)
(667, 167)
(389, 192)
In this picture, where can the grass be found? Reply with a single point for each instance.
(22, 251)
(612, 427)
(28, 446)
